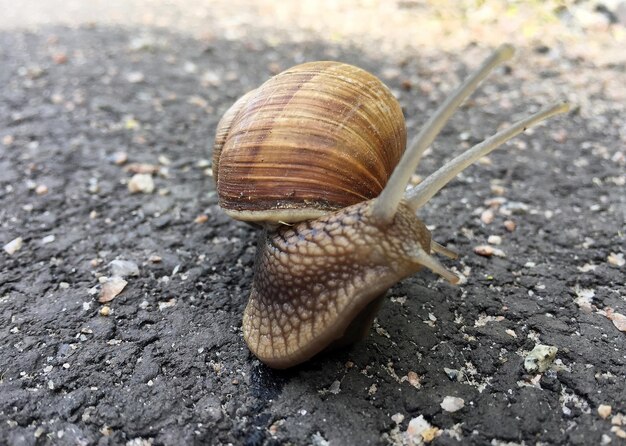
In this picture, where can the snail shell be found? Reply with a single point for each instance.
(315, 138)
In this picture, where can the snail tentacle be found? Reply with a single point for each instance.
(387, 203)
(440, 249)
(421, 257)
(417, 196)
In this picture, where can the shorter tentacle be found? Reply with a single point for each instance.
(440, 249)
(435, 266)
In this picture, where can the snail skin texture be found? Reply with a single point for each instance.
(316, 157)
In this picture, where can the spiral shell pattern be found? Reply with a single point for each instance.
(317, 137)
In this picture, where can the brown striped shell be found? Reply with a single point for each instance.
(317, 137)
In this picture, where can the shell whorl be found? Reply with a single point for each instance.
(315, 138)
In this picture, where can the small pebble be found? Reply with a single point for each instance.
(59, 58)
(510, 333)
(105, 311)
(119, 158)
(168, 304)
(141, 182)
(452, 404)
(487, 216)
(41, 189)
(142, 168)
(335, 387)
(48, 239)
(483, 250)
(421, 430)
(494, 239)
(488, 251)
(13, 246)
(414, 379)
(616, 259)
(201, 219)
(111, 288)
(497, 189)
(619, 320)
(135, 77)
(397, 418)
(604, 411)
(164, 160)
(619, 432)
(373, 389)
(540, 358)
(123, 268)
(155, 259)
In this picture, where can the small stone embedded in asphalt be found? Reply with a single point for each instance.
(604, 411)
(452, 404)
(141, 183)
(48, 239)
(488, 251)
(487, 216)
(618, 319)
(453, 374)
(335, 387)
(420, 430)
(105, 310)
(119, 158)
(202, 218)
(509, 225)
(13, 246)
(616, 259)
(167, 304)
(540, 358)
(135, 77)
(111, 288)
(494, 239)
(123, 268)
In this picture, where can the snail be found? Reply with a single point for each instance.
(316, 156)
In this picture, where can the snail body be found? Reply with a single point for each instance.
(317, 156)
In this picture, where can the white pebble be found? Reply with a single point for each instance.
(397, 418)
(141, 182)
(616, 259)
(134, 77)
(494, 239)
(167, 304)
(452, 404)
(48, 239)
(335, 387)
(604, 411)
(13, 246)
